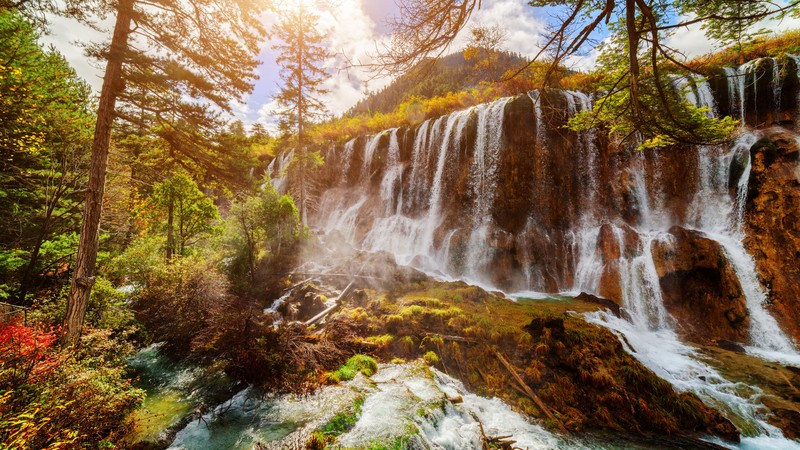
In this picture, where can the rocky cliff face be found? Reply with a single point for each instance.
(773, 222)
(504, 195)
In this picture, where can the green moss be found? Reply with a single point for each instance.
(341, 422)
(432, 341)
(382, 340)
(358, 363)
(412, 311)
(431, 358)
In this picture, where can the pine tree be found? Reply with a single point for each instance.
(302, 55)
(192, 59)
(44, 144)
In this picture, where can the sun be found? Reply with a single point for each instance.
(289, 5)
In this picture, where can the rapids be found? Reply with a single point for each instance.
(454, 198)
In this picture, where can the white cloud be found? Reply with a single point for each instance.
(352, 37)
(691, 40)
(68, 36)
(524, 29)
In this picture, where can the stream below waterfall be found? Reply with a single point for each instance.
(411, 223)
(406, 405)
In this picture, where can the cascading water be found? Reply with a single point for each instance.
(369, 154)
(741, 75)
(796, 59)
(347, 158)
(441, 220)
(483, 185)
(411, 237)
(277, 171)
(393, 176)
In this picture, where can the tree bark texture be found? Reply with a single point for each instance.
(83, 275)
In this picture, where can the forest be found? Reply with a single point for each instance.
(578, 235)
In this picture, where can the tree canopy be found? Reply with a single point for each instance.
(636, 58)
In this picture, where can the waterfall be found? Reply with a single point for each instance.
(541, 132)
(483, 184)
(277, 171)
(369, 154)
(412, 214)
(796, 59)
(777, 84)
(742, 72)
(734, 93)
(392, 177)
(452, 135)
(347, 158)
(439, 208)
(420, 161)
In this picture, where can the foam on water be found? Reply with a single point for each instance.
(411, 228)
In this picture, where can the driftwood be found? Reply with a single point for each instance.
(445, 337)
(528, 391)
(299, 283)
(336, 305)
(494, 442)
(346, 275)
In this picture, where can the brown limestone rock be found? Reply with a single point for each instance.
(609, 304)
(611, 250)
(773, 223)
(700, 288)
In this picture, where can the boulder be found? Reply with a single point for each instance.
(700, 288)
(608, 304)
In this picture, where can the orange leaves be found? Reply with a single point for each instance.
(27, 354)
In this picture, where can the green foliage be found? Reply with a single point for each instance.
(659, 115)
(108, 307)
(737, 29)
(45, 130)
(186, 213)
(180, 299)
(431, 358)
(358, 363)
(262, 229)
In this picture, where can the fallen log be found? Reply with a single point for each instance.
(528, 391)
(446, 337)
(336, 305)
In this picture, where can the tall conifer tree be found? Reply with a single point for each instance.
(302, 55)
(192, 58)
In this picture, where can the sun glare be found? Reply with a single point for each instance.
(294, 4)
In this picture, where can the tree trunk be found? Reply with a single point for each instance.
(633, 55)
(170, 231)
(27, 276)
(83, 275)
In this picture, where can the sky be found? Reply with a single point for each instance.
(354, 30)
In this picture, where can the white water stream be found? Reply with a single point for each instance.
(405, 404)
(413, 219)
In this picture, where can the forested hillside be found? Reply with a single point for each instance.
(451, 73)
(203, 249)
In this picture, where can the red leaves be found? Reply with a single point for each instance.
(26, 353)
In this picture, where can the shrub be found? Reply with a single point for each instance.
(51, 398)
(179, 300)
